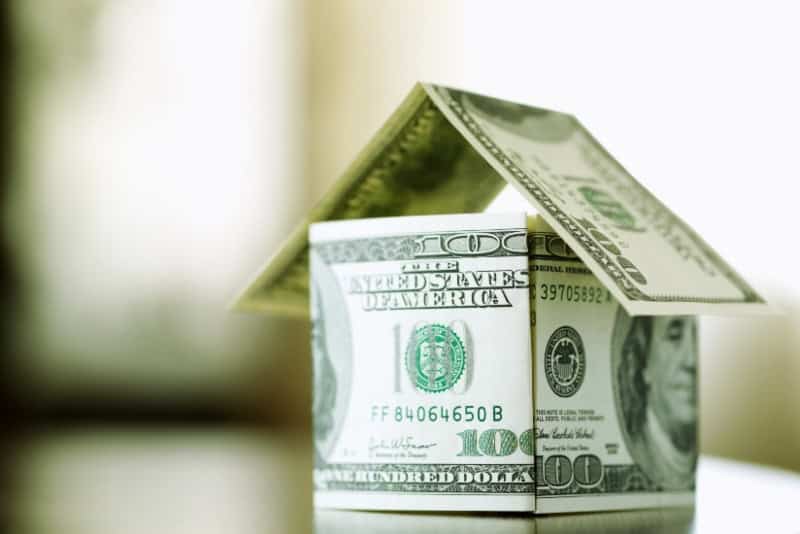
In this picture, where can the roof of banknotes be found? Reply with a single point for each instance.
(451, 151)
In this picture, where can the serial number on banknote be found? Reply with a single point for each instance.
(434, 412)
(573, 293)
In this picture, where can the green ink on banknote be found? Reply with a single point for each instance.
(610, 208)
(435, 358)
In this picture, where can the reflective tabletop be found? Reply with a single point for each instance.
(246, 481)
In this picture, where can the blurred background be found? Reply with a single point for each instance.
(155, 153)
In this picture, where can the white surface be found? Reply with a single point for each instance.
(209, 481)
(740, 497)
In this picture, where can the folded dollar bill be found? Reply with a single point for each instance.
(450, 151)
(493, 361)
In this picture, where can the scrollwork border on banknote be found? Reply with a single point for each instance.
(405, 247)
(523, 472)
(616, 479)
(633, 293)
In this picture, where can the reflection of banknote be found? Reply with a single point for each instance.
(449, 151)
(427, 393)
(673, 521)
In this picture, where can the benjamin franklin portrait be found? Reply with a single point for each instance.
(331, 351)
(655, 385)
(323, 376)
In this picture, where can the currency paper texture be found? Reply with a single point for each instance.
(422, 369)
(483, 361)
(451, 151)
(652, 262)
(473, 362)
(615, 395)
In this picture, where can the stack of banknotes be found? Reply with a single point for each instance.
(467, 359)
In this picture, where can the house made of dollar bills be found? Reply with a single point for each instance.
(466, 359)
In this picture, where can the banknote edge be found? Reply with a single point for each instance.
(297, 241)
(665, 305)
(277, 265)
(721, 263)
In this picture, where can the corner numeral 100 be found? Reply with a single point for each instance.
(556, 471)
(495, 442)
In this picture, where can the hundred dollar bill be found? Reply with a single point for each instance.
(473, 362)
(615, 396)
(450, 151)
(422, 369)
